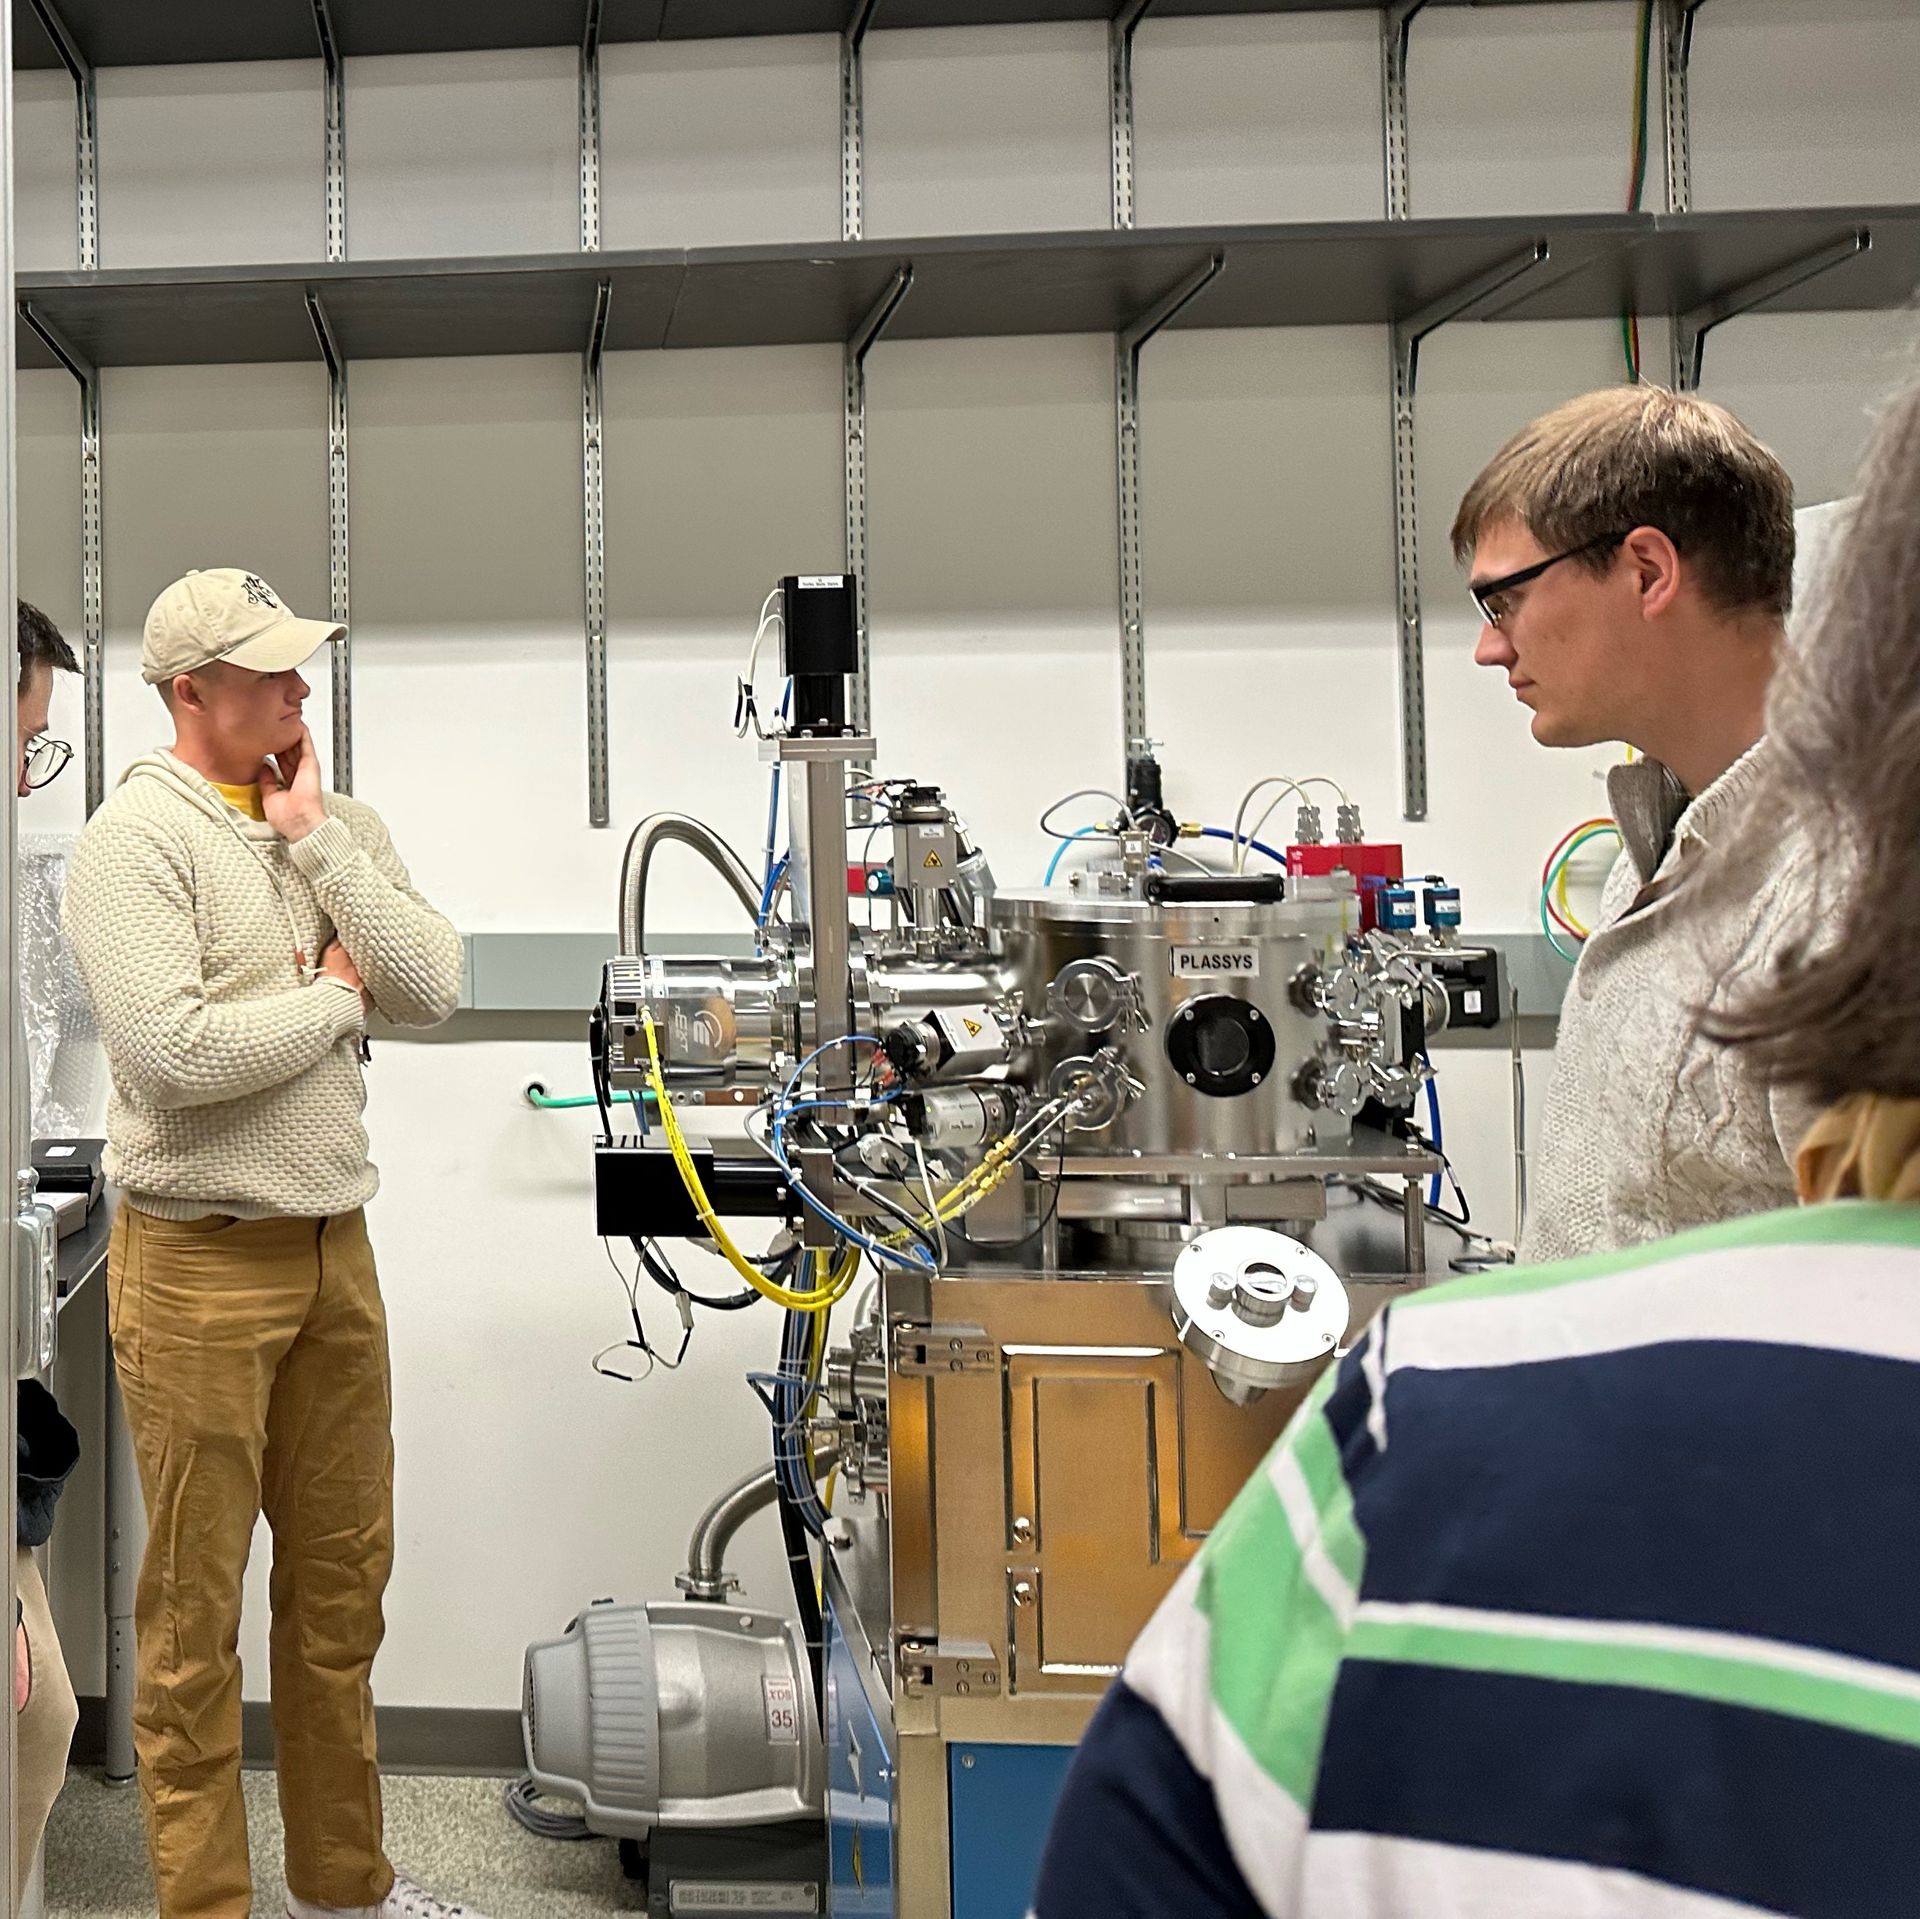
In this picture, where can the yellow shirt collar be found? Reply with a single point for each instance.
(243, 799)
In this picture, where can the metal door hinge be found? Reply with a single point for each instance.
(948, 1669)
(928, 1351)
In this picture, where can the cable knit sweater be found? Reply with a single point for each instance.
(236, 1066)
(1651, 1128)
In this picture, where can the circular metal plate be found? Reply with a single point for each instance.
(1225, 1287)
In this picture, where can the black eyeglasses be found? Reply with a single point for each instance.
(1490, 600)
(46, 761)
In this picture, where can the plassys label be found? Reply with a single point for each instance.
(1216, 962)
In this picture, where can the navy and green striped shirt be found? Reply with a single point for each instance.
(1587, 1592)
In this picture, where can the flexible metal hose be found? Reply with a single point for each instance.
(647, 837)
(706, 1573)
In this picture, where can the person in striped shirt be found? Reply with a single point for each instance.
(1590, 1591)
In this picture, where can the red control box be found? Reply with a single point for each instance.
(1372, 863)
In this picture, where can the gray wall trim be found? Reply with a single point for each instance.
(560, 972)
(469, 1740)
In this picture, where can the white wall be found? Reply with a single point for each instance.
(527, 1485)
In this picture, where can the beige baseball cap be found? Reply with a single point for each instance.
(225, 614)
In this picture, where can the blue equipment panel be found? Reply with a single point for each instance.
(1000, 1802)
(859, 1792)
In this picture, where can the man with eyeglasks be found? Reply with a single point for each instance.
(44, 1707)
(1631, 559)
(43, 651)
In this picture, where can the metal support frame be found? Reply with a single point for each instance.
(334, 74)
(1120, 31)
(592, 427)
(1396, 31)
(86, 133)
(1676, 53)
(1690, 329)
(1407, 336)
(864, 338)
(339, 598)
(15, 1125)
(853, 122)
(92, 658)
(590, 127)
(593, 494)
(86, 171)
(1126, 378)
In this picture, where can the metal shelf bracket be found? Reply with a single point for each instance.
(86, 177)
(590, 127)
(1676, 114)
(853, 122)
(862, 342)
(1126, 378)
(594, 549)
(1396, 33)
(339, 599)
(86, 132)
(1120, 32)
(1407, 336)
(93, 630)
(1690, 329)
(334, 71)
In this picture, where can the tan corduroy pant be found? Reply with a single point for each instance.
(46, 1724)
(253, 1360)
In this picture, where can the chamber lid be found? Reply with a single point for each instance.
(1260, 1308)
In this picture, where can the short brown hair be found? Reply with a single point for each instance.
(40, 643)
(1631, 456)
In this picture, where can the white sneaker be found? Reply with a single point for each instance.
(408, 1901)
(405, 1901)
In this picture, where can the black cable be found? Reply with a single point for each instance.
(793, 1453)
(639, 1343)
(806, 1599)
(602, 1086)
(661, 1272)
(1464, 1217)
(898, 1213)
(1366, 1188)
(956, 1230)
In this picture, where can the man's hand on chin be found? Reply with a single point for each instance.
(290, 791)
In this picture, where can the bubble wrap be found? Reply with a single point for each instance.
(63, 1048)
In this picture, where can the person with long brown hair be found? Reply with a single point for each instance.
(1587, 1590)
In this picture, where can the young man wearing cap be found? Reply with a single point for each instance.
(236, 925)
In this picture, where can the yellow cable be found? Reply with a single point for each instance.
(965, 1194)
(833, 1288)
(1567, 913)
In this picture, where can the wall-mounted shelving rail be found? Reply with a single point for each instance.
(1408, 276)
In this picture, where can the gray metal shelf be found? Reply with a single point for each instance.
(1412, 277)
(119, 33)
(1348, 273)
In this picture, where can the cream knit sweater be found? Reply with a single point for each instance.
(1651, 1128)
(236, 1067)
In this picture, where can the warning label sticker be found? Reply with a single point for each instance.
(933, 862)
(974, 1028)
